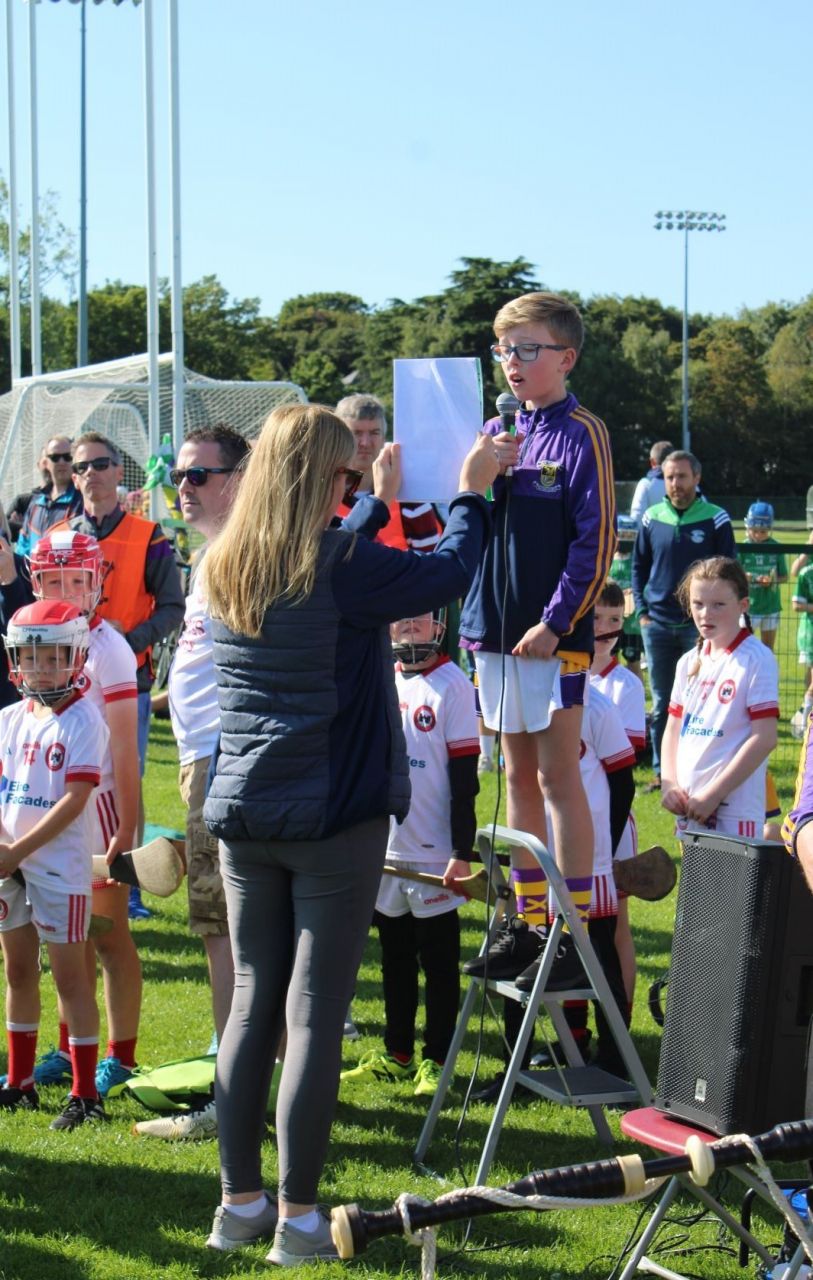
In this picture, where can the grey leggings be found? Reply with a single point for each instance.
(299, 915)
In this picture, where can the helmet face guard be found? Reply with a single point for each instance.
(411, 652)
(57, 558)
(47, 644)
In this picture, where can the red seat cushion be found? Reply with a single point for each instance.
(660, 1131)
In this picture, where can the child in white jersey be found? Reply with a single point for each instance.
(606, 765)
(723, 710)
(418, 924)
(70, 566)
(625, 689)
(53, 744)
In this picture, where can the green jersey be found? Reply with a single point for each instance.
(803, 593)
(764, 568)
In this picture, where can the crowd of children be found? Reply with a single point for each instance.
(545, 632)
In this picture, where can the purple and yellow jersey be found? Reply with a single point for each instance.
(553, 534)
(802, 811)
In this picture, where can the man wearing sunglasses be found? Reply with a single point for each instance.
(59, 500)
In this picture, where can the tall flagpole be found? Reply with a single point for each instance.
(36, 332)
(152, 248)
(177, 281)
(13, 228)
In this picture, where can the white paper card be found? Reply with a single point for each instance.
(438, 413)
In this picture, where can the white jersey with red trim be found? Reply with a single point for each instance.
(605, 748)
(109, 675)
(623, 687)
(193, 705)
(39, 757)
(717, 696)
(440, 722)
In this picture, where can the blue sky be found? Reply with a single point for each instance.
(366, 147)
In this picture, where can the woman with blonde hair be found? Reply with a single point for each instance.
(312, 765)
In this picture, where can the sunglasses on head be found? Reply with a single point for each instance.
(98, 464)
(197, 476)
(60, 457)
(352, 479)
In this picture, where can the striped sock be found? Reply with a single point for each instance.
(22, 1051)
(581, 891)
(531, 889)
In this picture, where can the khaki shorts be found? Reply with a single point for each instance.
(207, 901)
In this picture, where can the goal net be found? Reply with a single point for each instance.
(112, 398)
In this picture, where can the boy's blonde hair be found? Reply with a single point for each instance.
(269, 547)
(562, 317)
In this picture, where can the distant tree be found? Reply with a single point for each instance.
(319, 378)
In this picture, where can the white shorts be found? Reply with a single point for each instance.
(770, 621)
(57, 917)
(105, 826)
(404, 897)
(529, 698)
(746, 828)
(628, 844)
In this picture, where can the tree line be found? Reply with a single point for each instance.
(751, 376)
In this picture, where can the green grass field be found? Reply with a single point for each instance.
(100, 1204)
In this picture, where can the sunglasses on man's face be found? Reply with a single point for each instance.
(197, 476)
(60, 457)
(98, 464)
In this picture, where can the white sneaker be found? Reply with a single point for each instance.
(188, 1125)
(484, 765)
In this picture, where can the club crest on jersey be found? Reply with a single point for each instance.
(726, 691)
(424, 719)
(547, 474)
(55, 756)
(82, 682)
(3, 909)
(697, 535)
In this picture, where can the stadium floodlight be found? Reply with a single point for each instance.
(687, 220)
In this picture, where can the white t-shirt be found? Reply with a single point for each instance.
(623, 687)
(109, 675)
(193, 705)
(605, 747)
(38, 758)
(440, 722)
(717, 707)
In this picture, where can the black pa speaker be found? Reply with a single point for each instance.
(740, 994)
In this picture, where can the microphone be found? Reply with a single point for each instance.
(507, 407)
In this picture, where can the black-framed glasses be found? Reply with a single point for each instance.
(526, 351)
(352, 479)
(197, 476)
(59, 457)
(98, 464)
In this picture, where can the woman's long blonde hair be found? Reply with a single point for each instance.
(269, 547)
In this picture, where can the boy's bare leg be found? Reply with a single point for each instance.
(525, 804)
(69, 968)
(558, 751)
(21, 962)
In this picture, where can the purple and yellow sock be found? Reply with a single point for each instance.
(581, 891)
(531, 889)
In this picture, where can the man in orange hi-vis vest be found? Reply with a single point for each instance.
(413, 526)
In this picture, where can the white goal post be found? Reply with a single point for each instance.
(112, 398)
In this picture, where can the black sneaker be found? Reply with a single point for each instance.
(490, 1092)
(567, 972)
(13, 1099)
(554, 1056)
(78, 1111)
(513, 949)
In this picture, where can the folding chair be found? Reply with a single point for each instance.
(669, 1136)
